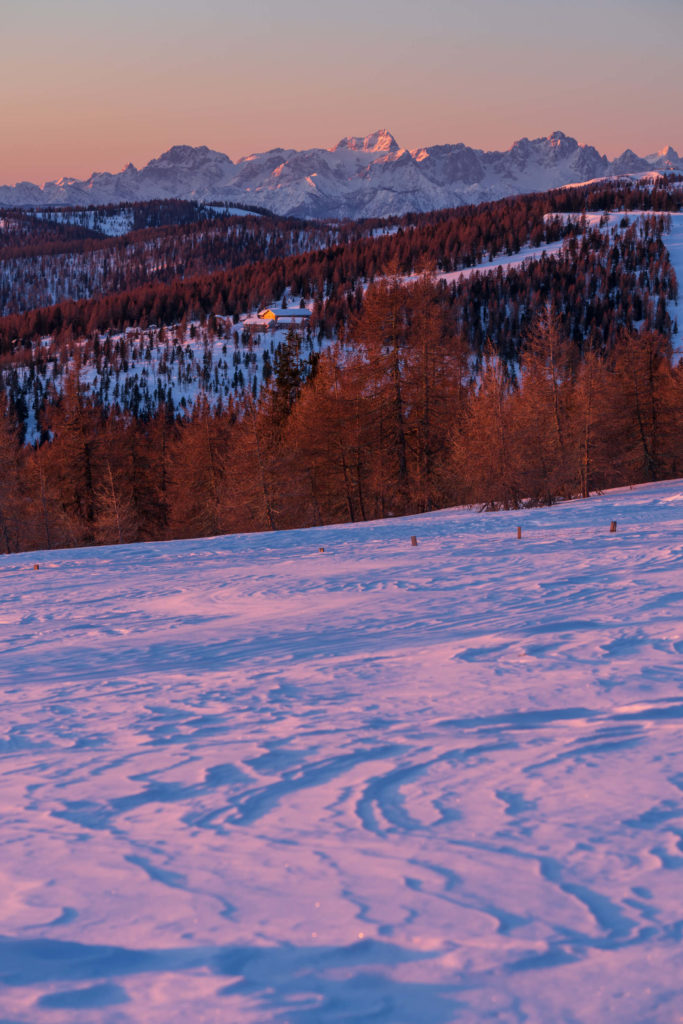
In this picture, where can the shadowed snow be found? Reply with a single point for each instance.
(246, 781)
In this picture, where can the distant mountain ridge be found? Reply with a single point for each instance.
(369, 176)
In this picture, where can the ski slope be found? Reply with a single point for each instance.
(245, 780)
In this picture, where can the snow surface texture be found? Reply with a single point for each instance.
(359, 177)
(245, 780)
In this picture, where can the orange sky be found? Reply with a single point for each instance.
(89, 86)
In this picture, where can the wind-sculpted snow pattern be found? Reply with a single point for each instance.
(246, 780)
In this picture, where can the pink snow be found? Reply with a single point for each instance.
(245, 780)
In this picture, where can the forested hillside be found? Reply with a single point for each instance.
(48, 257)
(427, 374)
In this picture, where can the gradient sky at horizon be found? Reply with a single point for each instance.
(89, 85)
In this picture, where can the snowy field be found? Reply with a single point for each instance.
(243, 780)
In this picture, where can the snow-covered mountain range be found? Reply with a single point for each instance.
(359, 177)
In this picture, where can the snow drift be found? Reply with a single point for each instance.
(245, 779)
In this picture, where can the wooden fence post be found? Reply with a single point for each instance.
(613, 526)
(413, 541)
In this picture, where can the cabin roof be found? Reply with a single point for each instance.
(285, 314)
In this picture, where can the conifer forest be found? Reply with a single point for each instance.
(503, 355)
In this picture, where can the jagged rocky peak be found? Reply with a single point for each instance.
(188, 156)
(562, 143)
(380, 141)
(369, 176)
(558, 138)
(628, 163)
(666, 159)
(446, 163)
(557, 142)
(666, 153)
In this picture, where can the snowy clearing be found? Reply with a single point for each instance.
(528, 253)
(176, 365)
(245, 780)
(113, 224)
(504, 260)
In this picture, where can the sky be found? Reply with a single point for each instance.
(90, 85)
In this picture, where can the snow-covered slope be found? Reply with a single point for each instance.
(674, 243)
(178, 367)
(369, 176)
(246, 780)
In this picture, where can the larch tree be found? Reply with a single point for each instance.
(542, 410)
(640, 374)
(12, 512)
(381, 331)
(483, 453)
